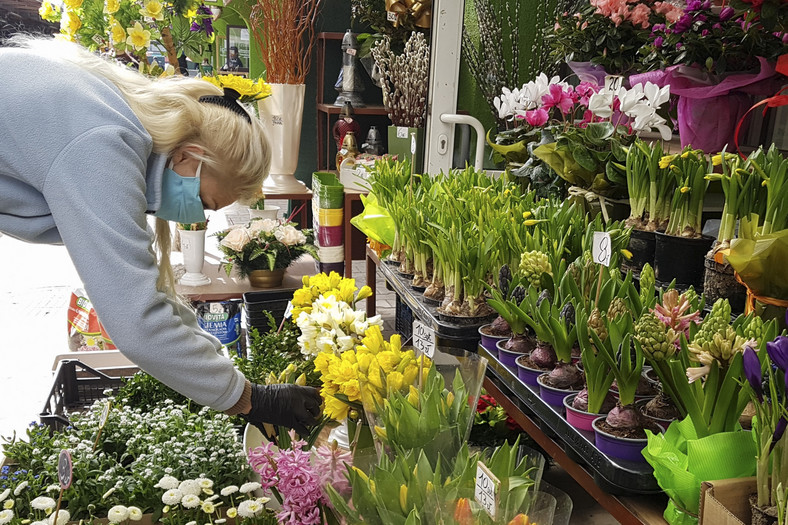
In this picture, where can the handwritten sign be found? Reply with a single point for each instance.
(289, 309)
(424, 338)
(65, 471)
(602, 249)
(412, 143)
(486, 491)
(105, 414)
(391, 16)
(613, 82)
(277, 120)
(402, 132)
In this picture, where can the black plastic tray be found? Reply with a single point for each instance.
(615, 476)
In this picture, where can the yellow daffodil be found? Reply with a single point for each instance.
(531, 222)
(49, 12)
(112, 6)
(153, 9)
(394, 382)
(527, 214)
(684, 189)
(388, 361)
(117, 33)
(665, 161)
(626, 253)
(72, 4)
(139, 37)
(352, 390)
(363, 361)
(686, 154)
(413, 396)
(336, 409)
(365, 292)
(70, 23)
(403, 498)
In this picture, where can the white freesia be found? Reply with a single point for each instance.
(6, 516)
(332, 326)
(117, 514)
(249, 508)
(167, 483)
(289, 235)
(236, 239)
(63, 517)
(43, 503)
(172, 497)
(229, 490)
(262, 225)
(190, 501)
(249, 486)
(135, 513)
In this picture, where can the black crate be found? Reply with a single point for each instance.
(274, 301)
(403, 322)
(76, 387)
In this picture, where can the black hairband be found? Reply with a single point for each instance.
(229, 100)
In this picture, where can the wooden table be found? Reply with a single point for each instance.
(302, 198)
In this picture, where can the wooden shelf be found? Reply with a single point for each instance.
(331, 109)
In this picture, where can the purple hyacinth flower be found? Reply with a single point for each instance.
(778, 352)
(726, 13)
(752, 371)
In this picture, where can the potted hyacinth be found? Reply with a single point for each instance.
(263, 249)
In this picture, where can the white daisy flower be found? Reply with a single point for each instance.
(135, 513)
(172, 497)
(63, 517)
(205, 483)
(249, 509)
(190, 501)
(208, 507)
(19, 488)
(9, 504)
(6, 516)
(117, 514)
(220, 521)
(192, 523)
(43, 503)
(249, 486)
(52, 488)
(227, 491)
(167, 483)
(190, 487)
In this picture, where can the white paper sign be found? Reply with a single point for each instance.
(402, 132)
(486, 491)
(412, 143)
(65, 473)
(391, 16)
(602, 249)
(613, 82)
(105, 414)
(289, 310)
(424, 338)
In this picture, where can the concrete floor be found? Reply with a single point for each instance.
(36, 285)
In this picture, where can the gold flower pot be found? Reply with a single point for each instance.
(266, 278)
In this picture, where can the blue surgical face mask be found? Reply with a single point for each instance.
(180, 197)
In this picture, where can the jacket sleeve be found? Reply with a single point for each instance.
(96, 192)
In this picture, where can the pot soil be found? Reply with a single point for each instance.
(720, 283)
(661, 407)
(761, 515)
(565, 377)
(521, 344)
(680, 258)
(642, 244)
(638, 432)
(645, 388)
(498, 328)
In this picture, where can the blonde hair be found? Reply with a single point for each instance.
(170, 111)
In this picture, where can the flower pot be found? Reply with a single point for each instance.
(527, 374)
(680, 258)
(578, 418)
(618, 447)
(282, 114)
(550, 395)
(642, 245)
(331, 254)
(327, 268)
(266, 278)
(270, 212)
(193, 249)
(400, 144)
(719, 282)
(507, 358)
(663, 422)
(489, 342)
(330, 217)
(330, 236)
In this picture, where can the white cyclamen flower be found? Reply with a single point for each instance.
(63, 517)
(172, 497)
(43, 503)
(19, 488)
(117, 514)
(249, 486)
(190, 487)
(227, 491)
(601, 103)
(167, 483)
(190, 501)
(135, 513)
(6, 516)
(249, 509)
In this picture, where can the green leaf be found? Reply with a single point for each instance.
(583, 157)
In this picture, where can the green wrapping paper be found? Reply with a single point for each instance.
(375, 221)
(681, 462)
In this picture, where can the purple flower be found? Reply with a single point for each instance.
(778, 352)
(684, 23)
(779, 430)
(658, 27)
(694, 5)
(717, 26)
(659, 41)
(726, 13)
(678, 45)
(704, 32)
(752, 371)
(205, 23)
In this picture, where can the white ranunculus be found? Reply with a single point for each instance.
(289, 235)
(172, 497)
(236, 239)
(117, 514)
(262, 225)
(190, 501)
(135, 513)
(167, 483)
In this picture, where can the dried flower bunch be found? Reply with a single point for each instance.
(406, 78)
(284, 31)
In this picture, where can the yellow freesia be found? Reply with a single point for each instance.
(112, 6)
(153, 9)
(72, 4)
(665, 161)
(70, 23)
(139, 37)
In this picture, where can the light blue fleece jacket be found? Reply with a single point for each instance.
(76, 167)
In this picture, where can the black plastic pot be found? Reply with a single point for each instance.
(642, 245)
(680, 258)
(257, 303)
(720, 283)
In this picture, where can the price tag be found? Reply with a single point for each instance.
(391, 16)
(289, 309)
(424, 338)
(351, 51)
(402, 132)
(277, 120)
(412, 143)
(486, 491)
(65, 472)
(613, 82)
(601, 250)
(105, 414)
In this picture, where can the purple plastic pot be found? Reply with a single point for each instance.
(552, 396)
(489, 342)
(328, 236)
(577, 418)
(506, 357)
(619, 447)
(528, 375)
(664, 423)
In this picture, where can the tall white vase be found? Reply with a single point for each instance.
(193, 249)
(282, 114)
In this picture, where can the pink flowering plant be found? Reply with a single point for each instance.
(609, 33)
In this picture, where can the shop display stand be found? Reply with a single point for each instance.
(625, 489)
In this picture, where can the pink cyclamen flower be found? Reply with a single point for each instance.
(584, 90)
(558, 97)
(536, 117)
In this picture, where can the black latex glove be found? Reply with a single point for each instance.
(286, 405)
